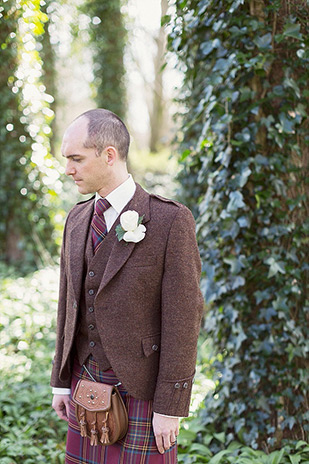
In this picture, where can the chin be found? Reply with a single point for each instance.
(84, 190)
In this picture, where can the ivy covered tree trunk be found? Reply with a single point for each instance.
(245, 169)
(27, 180)
(107, 41)
(156, 113)
(10, 129)
(49, 65)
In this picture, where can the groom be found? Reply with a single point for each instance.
(129, 302)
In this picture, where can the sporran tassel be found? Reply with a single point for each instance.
(83, 423)
(94, 433)
(104, 437)
(105, 429)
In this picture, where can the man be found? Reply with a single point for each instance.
(129, 305)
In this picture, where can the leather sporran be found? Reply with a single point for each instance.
(100, 412)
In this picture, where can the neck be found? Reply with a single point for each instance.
(117, 180)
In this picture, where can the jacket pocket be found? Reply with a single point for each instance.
(142, 261)
(151, 344)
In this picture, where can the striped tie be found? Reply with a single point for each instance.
(98, 224)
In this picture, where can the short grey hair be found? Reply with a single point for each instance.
(106, 128)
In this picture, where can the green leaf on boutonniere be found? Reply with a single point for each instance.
(140, 219)
(120, 232)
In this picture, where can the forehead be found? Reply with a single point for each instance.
(75, 136)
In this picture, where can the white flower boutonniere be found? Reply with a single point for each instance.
(130, 228)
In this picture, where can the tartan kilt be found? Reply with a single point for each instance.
(137, 447)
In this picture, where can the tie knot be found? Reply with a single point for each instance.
(101, 206)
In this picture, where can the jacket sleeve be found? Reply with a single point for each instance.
(61, 315)
(181, 306)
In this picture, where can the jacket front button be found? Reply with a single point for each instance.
(91, 344)
(91, 292)
(91, 309)
(74, 304)
(185, 385)
(90, 326)
(177, 385)
(155, 347)
(91, 273)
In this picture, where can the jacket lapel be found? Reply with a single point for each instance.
(77, 244)
(122, 250)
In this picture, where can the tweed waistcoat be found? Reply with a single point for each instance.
(87, 340)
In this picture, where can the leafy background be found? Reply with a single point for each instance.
(245, 169)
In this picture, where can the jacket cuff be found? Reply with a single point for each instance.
(55, 381)
(172, 397)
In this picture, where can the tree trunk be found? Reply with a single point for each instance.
(158, 106)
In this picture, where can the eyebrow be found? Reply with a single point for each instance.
(71, 156)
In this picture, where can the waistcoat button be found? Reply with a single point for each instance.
(155, 347)
(91, 273)
(91, 292)
(90, 326)
(91, 309)
(91, 344)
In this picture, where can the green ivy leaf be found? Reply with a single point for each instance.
(275, 267)
(286, 124)
(292, 30)
(236, 201)
(264, 42)
(120, 232)
(206, 48)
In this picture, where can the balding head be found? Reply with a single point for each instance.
(106, 129)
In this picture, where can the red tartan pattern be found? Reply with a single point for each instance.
(137, 447)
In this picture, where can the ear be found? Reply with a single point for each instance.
(111, 155)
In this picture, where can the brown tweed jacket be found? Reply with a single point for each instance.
(148, 306)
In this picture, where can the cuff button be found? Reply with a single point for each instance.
(185, 385)
(177, 385)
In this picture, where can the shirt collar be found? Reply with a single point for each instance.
(121, 195)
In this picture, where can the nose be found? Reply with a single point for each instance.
(69, 169)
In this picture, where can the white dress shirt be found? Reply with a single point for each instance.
(118, 199)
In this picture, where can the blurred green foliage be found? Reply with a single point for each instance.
(30, 431)
(156, 172)
(107, 36)
(245, 151)
(30, 178)
(196, 443)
